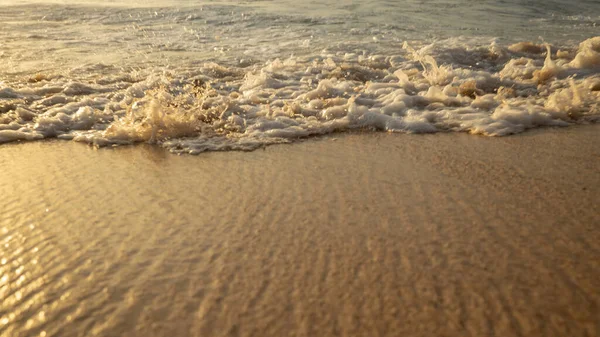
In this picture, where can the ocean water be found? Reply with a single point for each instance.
(194, 76)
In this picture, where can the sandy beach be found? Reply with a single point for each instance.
(349, 234)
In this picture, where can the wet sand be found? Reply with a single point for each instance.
(345, 235)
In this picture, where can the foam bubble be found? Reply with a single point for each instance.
(588, 55)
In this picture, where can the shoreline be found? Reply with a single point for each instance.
(318, 137)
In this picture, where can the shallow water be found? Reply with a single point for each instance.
(221, 75)
(366, 235)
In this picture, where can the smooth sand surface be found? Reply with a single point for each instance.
(346, 235)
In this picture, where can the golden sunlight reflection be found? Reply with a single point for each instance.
(28, 267)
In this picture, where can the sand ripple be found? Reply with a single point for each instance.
(369, 235)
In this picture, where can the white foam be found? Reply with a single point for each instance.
(215, 107)
(588, 55)
(21, 134)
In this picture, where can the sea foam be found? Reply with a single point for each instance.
(485, 90)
